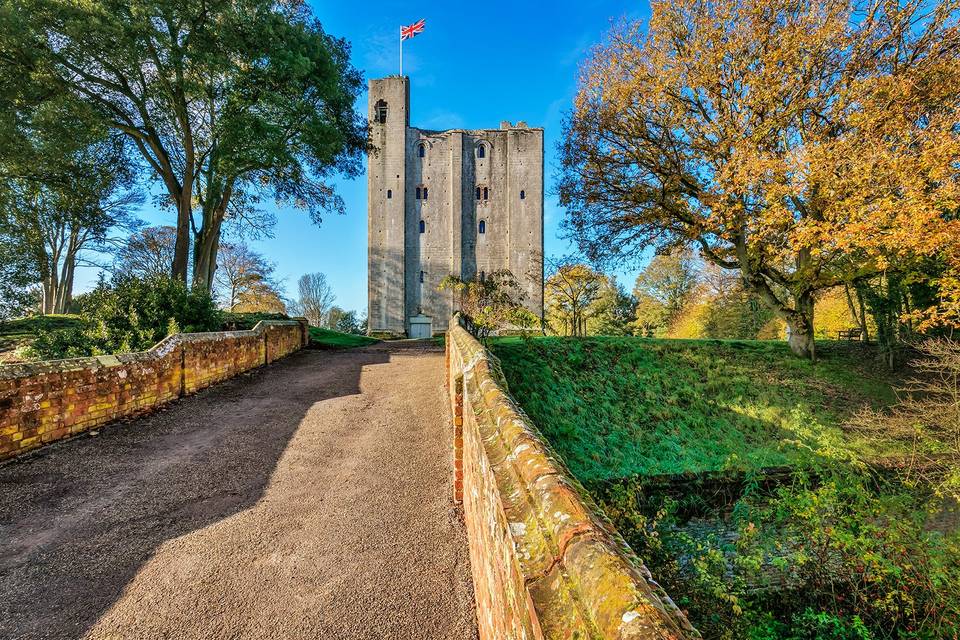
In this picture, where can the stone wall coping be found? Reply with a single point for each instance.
(579, 571)
(156, 352)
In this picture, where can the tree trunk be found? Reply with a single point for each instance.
(48, 280)
(49, 295)
(205, 256)
(64, 291)
(64, 296)
(800, 324)
(181, 248)
(863, 314)
(50, 283)
(208, 238)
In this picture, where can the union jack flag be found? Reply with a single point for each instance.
(412, 30)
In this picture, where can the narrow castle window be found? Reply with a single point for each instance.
(380, 115)
(389, 194)
(419, 193)
(483, 276)
(482, 227)
(424, 193)
(485, 193)
(522, 194)
(482, 151)
(423, 226)
(421, 150)
(421, 273)
(478, 193)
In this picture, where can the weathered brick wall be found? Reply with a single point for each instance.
(45, 401)
(545, 564)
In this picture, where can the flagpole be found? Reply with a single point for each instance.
(401, 52)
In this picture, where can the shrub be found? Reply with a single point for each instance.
(835, 555)
(129, 314)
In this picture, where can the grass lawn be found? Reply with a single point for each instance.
(328, 339)
(616, 407)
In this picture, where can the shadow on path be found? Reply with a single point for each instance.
(82, 520)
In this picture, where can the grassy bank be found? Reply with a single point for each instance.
(17, 334)
(328, 339)
(617, 407)
(832, 552)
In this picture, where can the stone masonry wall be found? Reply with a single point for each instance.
(45, 401)
(545, 564)
(438, 189)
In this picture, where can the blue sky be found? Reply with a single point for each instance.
(474, 65)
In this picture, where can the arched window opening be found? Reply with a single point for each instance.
(522, 194)
(485, 193)
(424, 193)
(421, 150)
(482, 151)
(389, 194)
(483, 276)
(423, 226)
(380, 114)
(482, 227)
(478, 193)
(419, 193)
(421, 273)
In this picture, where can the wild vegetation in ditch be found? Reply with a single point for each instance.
(760, 489)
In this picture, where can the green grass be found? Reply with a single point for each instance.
(329, 339)
(21, 332)
(616, 407)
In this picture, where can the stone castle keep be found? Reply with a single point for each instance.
(440, 203)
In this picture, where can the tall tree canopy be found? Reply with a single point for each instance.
(65, 184)
(227, 101)
(804, 144)
(16, 277)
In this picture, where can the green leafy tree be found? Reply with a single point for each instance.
(16, 276)
(612, 313)
(663, 288)
(227, 102)
(492, 303)
(65, 185)
(344, 321)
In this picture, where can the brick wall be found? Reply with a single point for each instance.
(42, 402)
(545, 564)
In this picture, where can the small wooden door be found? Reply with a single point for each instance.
(421, 327)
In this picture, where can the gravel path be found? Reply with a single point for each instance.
(309, 499)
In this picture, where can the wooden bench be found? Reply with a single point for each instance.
(850, 334)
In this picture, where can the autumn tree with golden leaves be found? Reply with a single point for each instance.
(803, 144)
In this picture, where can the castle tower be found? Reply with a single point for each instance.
(454, 202)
